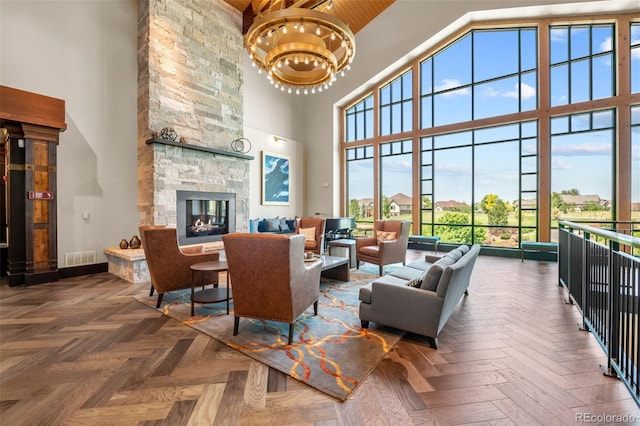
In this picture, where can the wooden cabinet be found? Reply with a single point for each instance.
(33, 123)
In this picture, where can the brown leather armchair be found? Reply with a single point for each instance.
(169, 266)
(317, 244)
(269, 277)
(374, 250)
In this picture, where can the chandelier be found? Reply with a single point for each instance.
(301, 50)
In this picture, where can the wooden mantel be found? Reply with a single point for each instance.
(31, 108)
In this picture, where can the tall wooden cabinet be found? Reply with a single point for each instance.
(32, 124)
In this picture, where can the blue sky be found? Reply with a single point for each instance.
(581, 161)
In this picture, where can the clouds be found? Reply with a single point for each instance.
(582, 149)
(450, 83)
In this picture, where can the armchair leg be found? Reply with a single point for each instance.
(290, 333)
(357, 264)
(236, 322)
(151, 291)
(160, 296)
(381, 268)
(364, 323)
(433, 342)
(315, 308)
(466, 292)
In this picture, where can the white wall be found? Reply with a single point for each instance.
(268, 112)
(84, 52)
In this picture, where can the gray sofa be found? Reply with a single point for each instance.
(420, 296)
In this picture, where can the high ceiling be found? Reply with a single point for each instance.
(355, 13)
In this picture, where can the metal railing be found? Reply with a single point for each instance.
(602, 277)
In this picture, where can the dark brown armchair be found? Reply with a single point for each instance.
(269, 277)
(387, 245)
(169, 266)
(316, 243)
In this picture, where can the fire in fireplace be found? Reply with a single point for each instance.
(204, 216)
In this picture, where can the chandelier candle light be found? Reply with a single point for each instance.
(301, 50)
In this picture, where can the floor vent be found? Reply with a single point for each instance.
(80, 258)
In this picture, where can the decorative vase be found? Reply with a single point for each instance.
(168, 133)
(135, 242)
(124, 244)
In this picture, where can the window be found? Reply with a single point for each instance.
(582, 59)
(396, 178)
(498, 163)
(359, 120)
(582, 166)
(360, 183)
(396, 103)
(471, 79)
(483, 185)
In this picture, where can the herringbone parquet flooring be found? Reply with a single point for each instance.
(82, 351)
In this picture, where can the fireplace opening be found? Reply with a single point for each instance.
(204, 216)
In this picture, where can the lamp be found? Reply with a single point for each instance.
(301, 50)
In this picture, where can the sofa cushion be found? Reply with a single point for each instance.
(291, 223)
(262, 225)
(273, 224)
(309, 233)
(365, 292)
(423, 265)
(434, 273)
(407, 273)
(253, 225)
(284, 226)
(386, 236)
(454, 254)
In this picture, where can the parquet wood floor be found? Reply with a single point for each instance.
(83, 351)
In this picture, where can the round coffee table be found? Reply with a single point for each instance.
(209, 295)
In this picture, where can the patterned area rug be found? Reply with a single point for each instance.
(330, 351)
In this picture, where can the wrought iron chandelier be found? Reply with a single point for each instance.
(300, 50)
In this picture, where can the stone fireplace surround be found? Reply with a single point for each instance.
(190, 62)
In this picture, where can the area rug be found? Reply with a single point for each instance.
(330, 351)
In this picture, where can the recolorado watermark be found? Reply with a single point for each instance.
(606, 418)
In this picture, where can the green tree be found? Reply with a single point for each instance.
(426, 202)
(354, 209)
(488, 202)
(498, 214)
(571, 191)
(557, 202)
(462, 234)
(386, 207)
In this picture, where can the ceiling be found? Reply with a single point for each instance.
(355, 13)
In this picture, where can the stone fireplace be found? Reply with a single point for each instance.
(190, 79)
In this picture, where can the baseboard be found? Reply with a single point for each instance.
(78, 271)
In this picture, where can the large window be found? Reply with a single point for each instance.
(635, 58)
(581, 63)
(483, 184)
(582, 166)
(396, 105)
(396, 177)
(359, 120)
(499, 160)
(360, 183)
(472, 79)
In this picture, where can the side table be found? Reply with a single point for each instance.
(210, 295)
(350, 245)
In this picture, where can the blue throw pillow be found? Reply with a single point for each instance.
(262, 225)
(291, 224)
(273, 224)
(284, 226)
(253, 225)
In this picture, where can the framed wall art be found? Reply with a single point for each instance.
(275, 179)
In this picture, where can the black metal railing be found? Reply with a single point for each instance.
(602, 276)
